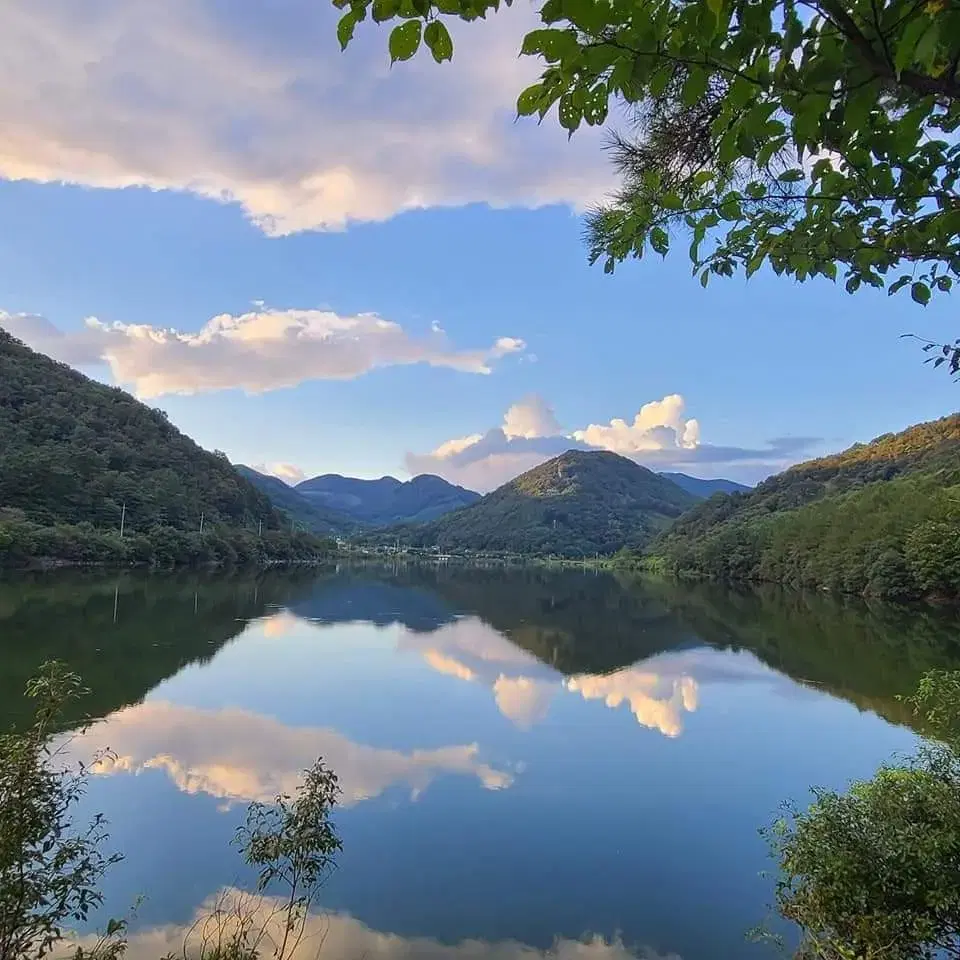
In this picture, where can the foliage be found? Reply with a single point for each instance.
(875, 872)
(82, 460)
(574, 505)
(294, 844)
(815, 136)
(878, 519)
(50, 866)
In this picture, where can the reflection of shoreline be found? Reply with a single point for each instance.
(237, 755)
(524, 686)
(341, 937)
(659, 690)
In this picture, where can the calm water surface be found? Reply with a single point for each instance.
(530, 762)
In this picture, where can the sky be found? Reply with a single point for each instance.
(318, 263)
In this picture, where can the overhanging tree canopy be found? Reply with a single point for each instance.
(816, 136)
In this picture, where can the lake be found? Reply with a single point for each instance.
(533, 764)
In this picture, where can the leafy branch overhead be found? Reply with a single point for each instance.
(815, 136)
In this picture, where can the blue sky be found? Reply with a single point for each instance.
(164, 165)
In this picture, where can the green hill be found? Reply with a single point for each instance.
(296, 506)
(80, 458)
(881, 519)
(577, 504)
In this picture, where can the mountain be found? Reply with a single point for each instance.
(305, 512)
(387, 500)
(879, 519)
(80, 459)
(577, 504)
(702, 489)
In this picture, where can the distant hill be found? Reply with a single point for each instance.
(579, 503)
(702, 489)
(78, 458)
(386, 501)
(880, 519)
(306, 512)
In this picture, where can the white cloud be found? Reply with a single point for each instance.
(253, 104)
(659, 425)
(336, 936)
(657, 701)
(237, 755)
(659, 436)
(289, 473)
(265, 349)
(531, 417)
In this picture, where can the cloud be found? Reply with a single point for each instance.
(659, 436)
(289, 473)
(657, 701)
(266, 349)
(531, 417)
(337, 936)
(252, 104)
(236, 755)
(471, 650)
(658, 425)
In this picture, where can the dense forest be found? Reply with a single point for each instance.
(81, 460)
(880, 519)
(574, 505)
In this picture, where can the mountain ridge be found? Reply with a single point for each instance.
(878, 519)
(386, 500)
(581, 502)
(88, 473)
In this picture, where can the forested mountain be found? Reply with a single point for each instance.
(386, 501)
(577, 504)
(304, 512)
(78, 458)
(881, 519)
(705, 488)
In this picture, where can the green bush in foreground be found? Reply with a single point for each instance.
(874, 873)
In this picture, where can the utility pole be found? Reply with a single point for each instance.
(123, 517)
(201, 521)
(260, 530)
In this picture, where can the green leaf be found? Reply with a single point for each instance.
(659, 240)
(345, 27)
(791, 176)
(529, 101)
(927, 47)
(437, 38)
(405, 40)
(383, 10)
(920, 293)
(905, 52)
(670, 201)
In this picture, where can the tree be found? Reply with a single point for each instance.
(815, 136)
(874, 873)
(50, 866)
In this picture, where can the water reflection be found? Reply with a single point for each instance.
(338, 936)
(587, 754)
(238, 755)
